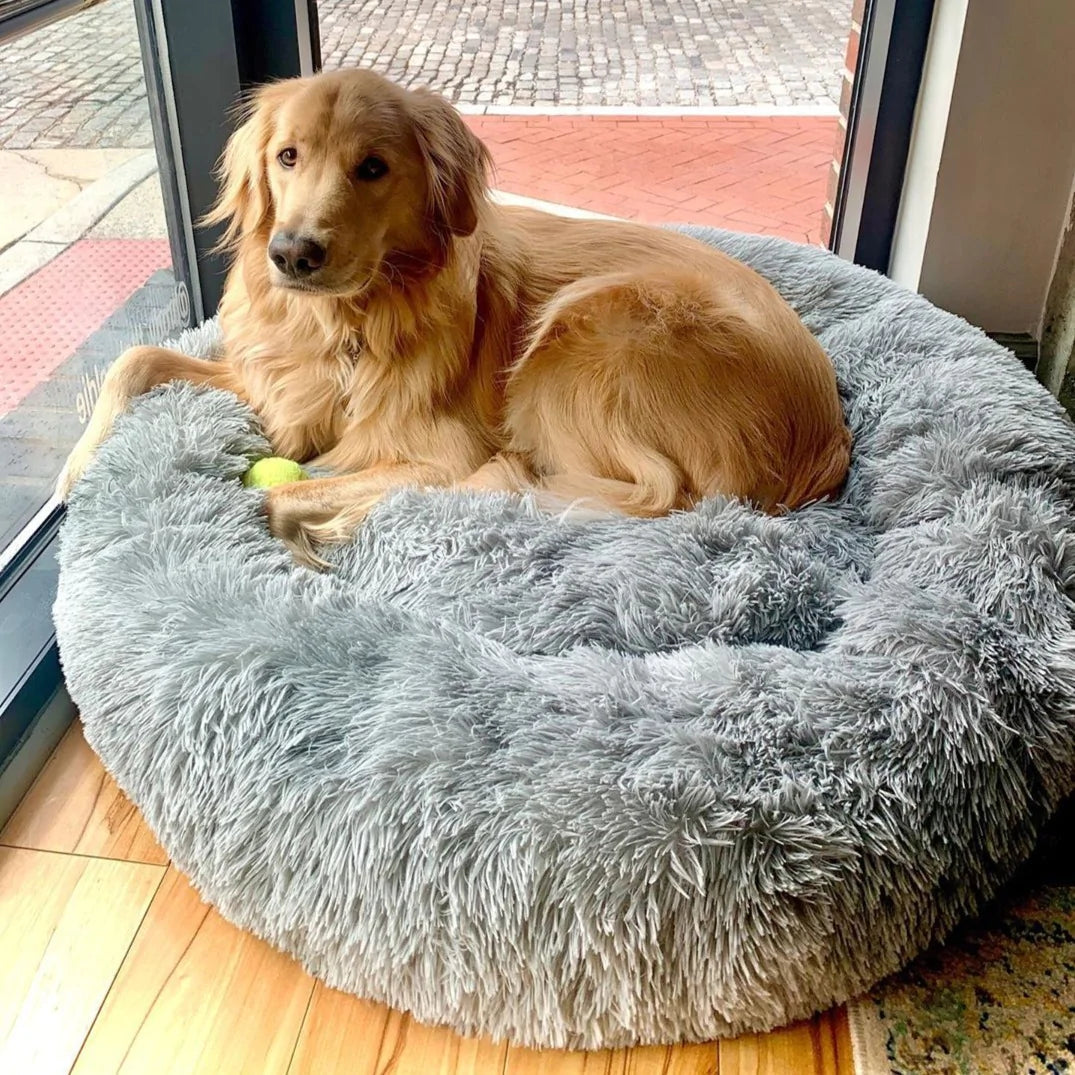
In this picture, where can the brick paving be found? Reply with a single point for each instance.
(78, 82)
(35, 341)
(757, 174)
(36, 436)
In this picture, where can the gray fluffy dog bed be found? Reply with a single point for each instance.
(590, 783)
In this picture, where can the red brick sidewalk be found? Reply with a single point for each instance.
(751, 173)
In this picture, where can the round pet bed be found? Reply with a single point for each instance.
(591, 783)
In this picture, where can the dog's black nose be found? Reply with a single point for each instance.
(295, 255)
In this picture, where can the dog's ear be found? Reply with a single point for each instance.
(245, 199)
(457, 163)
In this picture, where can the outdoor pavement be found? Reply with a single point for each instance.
(35, 183)
(657, 110)
(72, 101)
(761, 174)
(76, 83)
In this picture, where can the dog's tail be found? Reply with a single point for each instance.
(657, 490)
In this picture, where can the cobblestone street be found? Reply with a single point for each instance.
(78, 83)
(681, 53)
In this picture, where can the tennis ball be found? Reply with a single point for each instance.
(273, 470)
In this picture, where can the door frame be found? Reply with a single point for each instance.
(881, 117)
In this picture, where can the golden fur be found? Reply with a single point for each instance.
(447, 341)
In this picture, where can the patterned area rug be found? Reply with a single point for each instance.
(999, 998)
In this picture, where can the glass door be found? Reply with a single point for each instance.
(85, 259)
(86, 270)
(114, 112)
(112, 115)
(732, 113)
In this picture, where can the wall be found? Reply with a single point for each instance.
(985, 246)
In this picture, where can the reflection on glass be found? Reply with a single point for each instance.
(85, 267)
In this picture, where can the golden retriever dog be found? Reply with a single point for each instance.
(384, 318)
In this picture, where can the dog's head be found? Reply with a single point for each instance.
(345, 178)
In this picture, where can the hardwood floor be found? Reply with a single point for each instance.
(110, 963)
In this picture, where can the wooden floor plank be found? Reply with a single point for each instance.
(839, 1032)
(75, 806)
(522, 1061)
(340, 1035)
(812, 1047)
(412, 1048)
(197, 996)
(65, 926)
(672, 1060)
(644, 1060)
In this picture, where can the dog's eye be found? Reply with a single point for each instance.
(371, 168)
(288, 156)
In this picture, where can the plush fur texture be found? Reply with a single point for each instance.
(593, 782)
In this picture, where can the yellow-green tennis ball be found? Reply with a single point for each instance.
(273, 470)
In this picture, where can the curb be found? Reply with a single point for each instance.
(503, 197)
(67, 225)
(830, 111)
